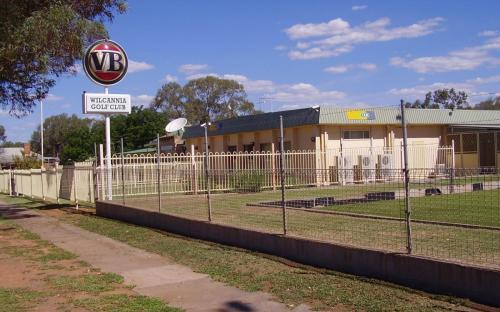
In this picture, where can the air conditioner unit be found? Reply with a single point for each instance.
(386, 162)
(347, 169)
(368, 168)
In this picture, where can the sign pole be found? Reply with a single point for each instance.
(108, 154)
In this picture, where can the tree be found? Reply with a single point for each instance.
(137, 128)
(489, 104)
(450, 99)
(3, 137)
(204, 99)
(442, 98)
(58, 130)
(41, 40)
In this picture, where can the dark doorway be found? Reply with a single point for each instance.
(487, 150)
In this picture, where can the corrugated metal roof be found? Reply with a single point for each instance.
(291, 118)
(7, 154)
(343, 116)
(330, 115)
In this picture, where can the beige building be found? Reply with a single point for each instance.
(474, 132)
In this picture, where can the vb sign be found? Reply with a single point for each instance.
(105, 62)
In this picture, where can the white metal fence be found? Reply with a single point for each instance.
(136, 175)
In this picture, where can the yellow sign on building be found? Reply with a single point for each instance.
(360, 115)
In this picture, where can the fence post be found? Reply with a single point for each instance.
(74, 185)
(41, 180)
(282, 174)
(452, 171)
(57, 187)
(158, 173)
(31, 183)
(123, 171)
(194, 172)
(409, 245)
(207, 172)
(101, 171)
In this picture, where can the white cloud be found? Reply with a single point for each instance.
(280, 47)
(488, 33)
(201, 75)
(470, 86)
(134, 66)
(190, 69)
(53, 97)
(368, 66)
(465, 59)
(344, 68)
(484, 80)
(420, 90)
(335, 26)
(297, 95)
(143, 99)
(337, 36)
(170, 78)
(359, 7)
(337, 69)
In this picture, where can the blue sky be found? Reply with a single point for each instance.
(291, 54)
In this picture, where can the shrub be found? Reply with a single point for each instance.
(248, 181)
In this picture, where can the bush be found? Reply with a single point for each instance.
(248, 182)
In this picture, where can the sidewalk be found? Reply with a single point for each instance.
(151, 274)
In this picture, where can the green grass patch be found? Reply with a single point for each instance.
(323, 289)
(18, 299)
(478, 208)
(123, 303)
(91, 283)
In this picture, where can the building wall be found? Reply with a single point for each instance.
(323, 137)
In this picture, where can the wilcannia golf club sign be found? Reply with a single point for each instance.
(106, 63)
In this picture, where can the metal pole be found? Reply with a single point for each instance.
(108, 154)
(409, 246)
(123, 171)
(159, 169)
(207, 172)
(282, 174)
(41, 145)
(41, 129)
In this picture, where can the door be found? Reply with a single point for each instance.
(486, 149)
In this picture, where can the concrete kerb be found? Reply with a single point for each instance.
(476, 283)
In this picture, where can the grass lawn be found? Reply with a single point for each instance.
(476, 246)
(290, 283)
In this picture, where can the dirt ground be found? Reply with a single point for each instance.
(37, 276)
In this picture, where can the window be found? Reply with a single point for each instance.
(498, 142)
(248, 148)
(356, 134)
(231, 148)
(265, 147)
(469, 142)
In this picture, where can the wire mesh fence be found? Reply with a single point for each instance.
(455, 213)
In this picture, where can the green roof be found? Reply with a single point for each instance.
(345, 116)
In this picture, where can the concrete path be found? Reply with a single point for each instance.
(151, 274)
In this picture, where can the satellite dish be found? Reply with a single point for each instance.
(176, 126)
